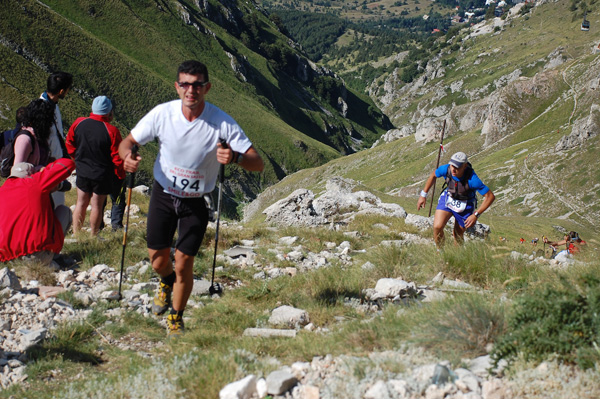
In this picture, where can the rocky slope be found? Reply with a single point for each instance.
(30, 312)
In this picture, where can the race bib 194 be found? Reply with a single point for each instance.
(185, 182)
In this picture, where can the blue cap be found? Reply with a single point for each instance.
(101, 105)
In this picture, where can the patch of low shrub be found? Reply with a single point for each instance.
(560, 320)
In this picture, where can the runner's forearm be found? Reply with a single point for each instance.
(488, 198)
(252, 161)
(429, 182)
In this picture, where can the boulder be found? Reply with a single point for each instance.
(289, 316)
(8, 279)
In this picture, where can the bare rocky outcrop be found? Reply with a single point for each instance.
(395, 134)
(295, 210)
(514, 104)
(238, 66)
(583, 130)
(338, 204)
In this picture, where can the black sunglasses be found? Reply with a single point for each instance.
(195, 85)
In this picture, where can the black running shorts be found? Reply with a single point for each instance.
(167, 214)
(99, 187)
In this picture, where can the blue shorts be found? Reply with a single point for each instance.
(458, 217)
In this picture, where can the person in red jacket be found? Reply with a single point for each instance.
(94, 144)
(29, 223)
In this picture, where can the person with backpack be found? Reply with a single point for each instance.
(195, 138)
(30, 144)
(94, 144)
(458, 199)
(30, 225)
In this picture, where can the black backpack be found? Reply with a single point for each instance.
(459, 190)
(7, 155)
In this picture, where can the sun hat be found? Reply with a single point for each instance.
(101, 105)
(458, 159)
(22, 169)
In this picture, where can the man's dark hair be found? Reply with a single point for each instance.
(59, 81)
(21, 114)
(40, 116)
(193, 67)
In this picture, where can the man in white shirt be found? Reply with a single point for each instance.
(189, 131)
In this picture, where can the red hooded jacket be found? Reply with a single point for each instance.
(27, 220)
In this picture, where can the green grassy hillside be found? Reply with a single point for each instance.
(130, 51)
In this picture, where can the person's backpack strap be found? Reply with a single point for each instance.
(31, 137)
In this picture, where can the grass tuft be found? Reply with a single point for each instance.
(461, 326)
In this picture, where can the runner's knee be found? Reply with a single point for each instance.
(160, 259)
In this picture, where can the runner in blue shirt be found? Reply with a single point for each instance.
(458, 199)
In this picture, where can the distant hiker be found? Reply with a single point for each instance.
(188, 131)
(58, 86)
(94, 144)
(571, 241)
(29, 223)
(534, 241)
(9, 135)
(458, 199)
(522, 240)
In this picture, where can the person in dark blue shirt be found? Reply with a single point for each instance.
(458, 199)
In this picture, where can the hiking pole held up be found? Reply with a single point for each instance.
(437, 166)
(130, 182)
(215, 288)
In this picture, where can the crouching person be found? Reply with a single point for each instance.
(30, 226)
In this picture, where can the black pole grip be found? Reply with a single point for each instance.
(222, 168)
(131, 178)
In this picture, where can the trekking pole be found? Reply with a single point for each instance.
(130, 181)
(215, 288)
(436, 166)
(544, 241)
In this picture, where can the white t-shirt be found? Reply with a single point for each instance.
(186, 165)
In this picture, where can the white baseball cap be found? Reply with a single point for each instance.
(22, 169)
(458, 159)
